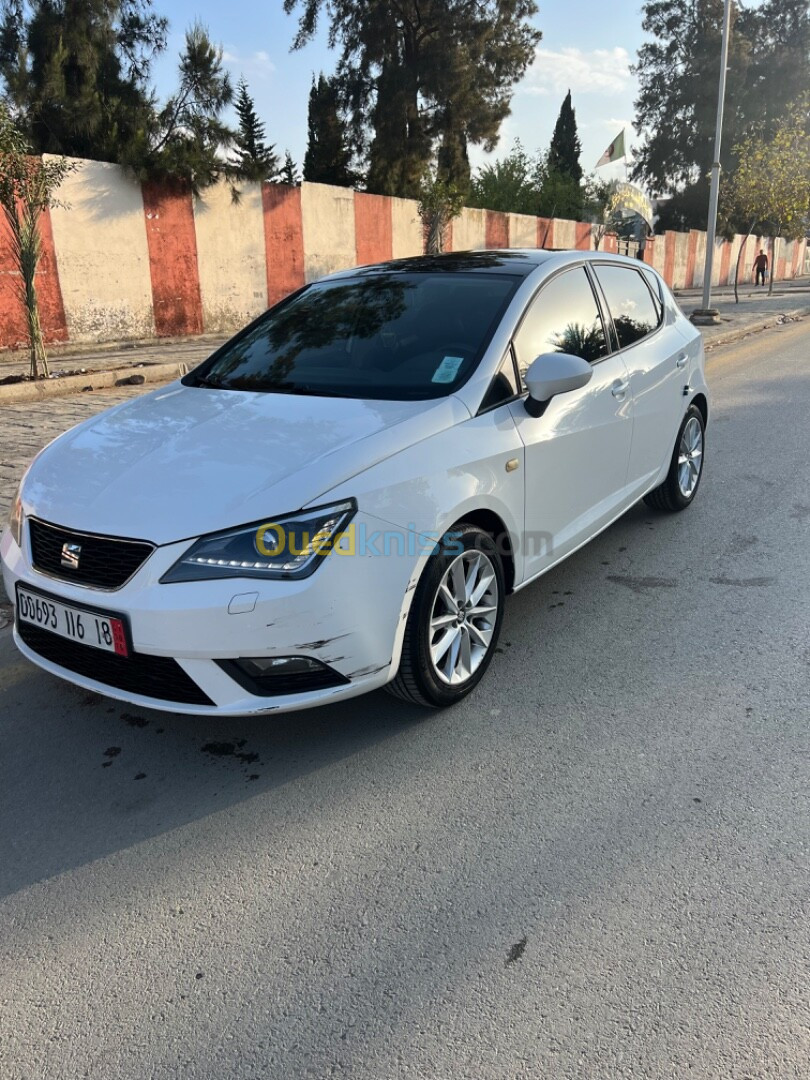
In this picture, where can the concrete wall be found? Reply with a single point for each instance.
(102, 254)
(122, 260)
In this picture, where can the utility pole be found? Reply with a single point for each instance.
(707, 313)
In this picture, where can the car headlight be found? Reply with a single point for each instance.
(289, 547)
(15, 519)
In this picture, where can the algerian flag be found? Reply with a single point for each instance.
(614, 151)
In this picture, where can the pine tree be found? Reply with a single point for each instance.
(565, 149)
(439, 72)
(187, 138)
(328, 158)
(289, 171)
(77, 71)
(255, 159)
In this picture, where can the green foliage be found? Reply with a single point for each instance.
(771, 186)
(565, 149)
(76, 72)
(289, 171)
(27, 187)
(511, 184)
(255, 159)
(600, 208)
(560, 196)
(421, 75)
(328, 157)
(186, 139)
(678, 69)
(439, 202)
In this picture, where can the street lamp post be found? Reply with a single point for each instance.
(707, 312)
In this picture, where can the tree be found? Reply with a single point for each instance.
(289, 171)
(511, 184)
(439, 203)
(424, 72)
(187, 138)
(76, 72)
(771, 186)
(560, 196)
(27, 187)
(769, 62)
(255, 159)
(600, 202)
(565, 149)
(328, 157)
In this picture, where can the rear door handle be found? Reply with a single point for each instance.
(620, 388)
(682, 360)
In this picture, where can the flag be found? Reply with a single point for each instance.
(614, 151)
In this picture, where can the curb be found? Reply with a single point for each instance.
(727, 337)
(17, 393)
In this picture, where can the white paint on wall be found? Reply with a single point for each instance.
(328, 223)
(406, 229)
(565, 233)
(102, 255)
(681, 259)
(470, 230)
(522, 231)
(230, 255)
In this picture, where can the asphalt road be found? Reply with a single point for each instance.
(595, 867)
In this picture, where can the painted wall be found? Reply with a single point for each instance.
(127, 261)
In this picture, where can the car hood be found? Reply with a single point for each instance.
(182, 461)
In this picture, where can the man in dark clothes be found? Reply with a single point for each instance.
(761, 266)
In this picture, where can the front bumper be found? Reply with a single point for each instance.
(349, 614)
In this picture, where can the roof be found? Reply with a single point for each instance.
(514, 262)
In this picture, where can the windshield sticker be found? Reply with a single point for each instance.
(447, 369)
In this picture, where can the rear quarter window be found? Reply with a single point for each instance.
(635, 313)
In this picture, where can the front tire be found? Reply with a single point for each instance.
(685, 467)
(454, 621)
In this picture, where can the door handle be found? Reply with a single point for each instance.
(620, 388)
(682, 360)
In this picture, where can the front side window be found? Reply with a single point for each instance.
(634, 313)
(393, 336)
(563, 317)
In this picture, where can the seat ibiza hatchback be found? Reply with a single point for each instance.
(344, 494)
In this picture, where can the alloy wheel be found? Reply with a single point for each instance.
(463, 617)
(690, 457)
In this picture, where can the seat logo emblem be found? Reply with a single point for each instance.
(70, 555)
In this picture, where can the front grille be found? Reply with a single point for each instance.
(157, 677)
(104, 562)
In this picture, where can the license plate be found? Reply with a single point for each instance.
(92, 628)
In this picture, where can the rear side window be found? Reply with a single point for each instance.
(634, 311)
(563, 317)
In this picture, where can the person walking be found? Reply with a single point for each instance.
(761, 266)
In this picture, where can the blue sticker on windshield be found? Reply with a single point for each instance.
(447, 369)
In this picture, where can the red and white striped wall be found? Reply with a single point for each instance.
(127, 261)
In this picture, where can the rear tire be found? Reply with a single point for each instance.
(685, 467)
(454, 621)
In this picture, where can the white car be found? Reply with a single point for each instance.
(344, 494)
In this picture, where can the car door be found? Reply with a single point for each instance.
(655, 356)
(577, 452)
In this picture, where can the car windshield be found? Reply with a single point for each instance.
(383, 335)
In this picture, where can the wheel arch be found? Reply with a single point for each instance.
(491, 523)
(700, 402)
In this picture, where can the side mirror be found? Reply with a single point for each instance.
(551, 374)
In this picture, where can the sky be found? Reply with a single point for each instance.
(587, 46)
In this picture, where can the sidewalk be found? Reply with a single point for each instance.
(159, 360)
(755, 311)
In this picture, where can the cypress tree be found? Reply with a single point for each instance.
(328, 158)
(565, 149)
